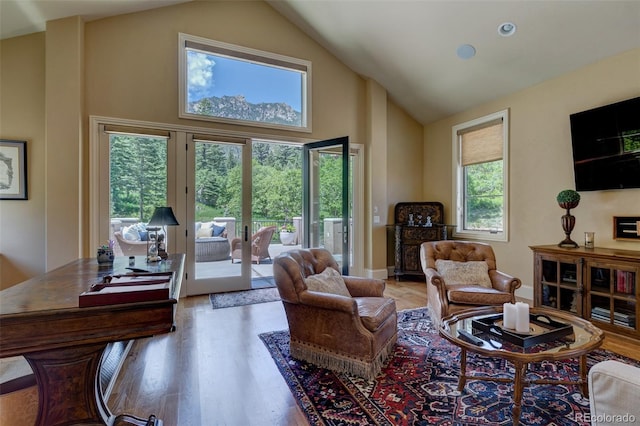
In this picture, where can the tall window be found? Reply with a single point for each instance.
(235, 84)
(481, 177)
(133, 178)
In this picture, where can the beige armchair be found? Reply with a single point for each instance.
(345, 325)
(131, 248)
(613, 389)
(259, 245)
(462, 275)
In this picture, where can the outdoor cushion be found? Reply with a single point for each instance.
(130, 233)
(217, 230)
(203, 232)
(328, 281)
(469, 273)
(210, 229)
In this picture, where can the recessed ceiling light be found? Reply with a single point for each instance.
(466, 51)
(507, 29)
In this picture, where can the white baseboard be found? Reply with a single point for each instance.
(525, 293)
(378, 274)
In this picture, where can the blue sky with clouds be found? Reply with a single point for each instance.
(210, 75)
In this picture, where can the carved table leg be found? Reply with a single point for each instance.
(69, 388)
(584, 384)
(518, 387)
(463, 369)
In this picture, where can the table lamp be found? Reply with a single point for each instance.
(162, 216)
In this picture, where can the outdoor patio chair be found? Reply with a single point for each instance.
(131, 248)
(259, 245)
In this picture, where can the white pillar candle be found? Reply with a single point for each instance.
(509, 315)
(522, 317)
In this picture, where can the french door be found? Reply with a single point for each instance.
(256, 183)
(219, 214)
(223, 189)
(327, 198)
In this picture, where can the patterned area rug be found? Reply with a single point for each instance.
(419, 385)
(247, 297)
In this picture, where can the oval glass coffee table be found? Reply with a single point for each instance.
(479, 330)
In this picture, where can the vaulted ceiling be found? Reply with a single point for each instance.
(410, 47)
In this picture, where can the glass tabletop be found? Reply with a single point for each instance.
(553, 334)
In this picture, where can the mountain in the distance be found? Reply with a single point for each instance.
(238, 108)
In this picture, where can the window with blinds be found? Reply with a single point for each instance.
(238, 85)
(480, 179)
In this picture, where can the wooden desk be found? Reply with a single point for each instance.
(40, 320)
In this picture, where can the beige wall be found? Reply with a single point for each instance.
(126, 67)
(64, 121)
(22, 223)
(404, 158)
(541, 161)
(404, 164)
(132, 72)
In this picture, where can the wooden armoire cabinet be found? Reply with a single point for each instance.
(415, 223)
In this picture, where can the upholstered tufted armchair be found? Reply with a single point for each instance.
(338, 322)
(462, 275)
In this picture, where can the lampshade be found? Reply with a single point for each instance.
(163, 216)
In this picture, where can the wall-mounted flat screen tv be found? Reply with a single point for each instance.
(606, 146)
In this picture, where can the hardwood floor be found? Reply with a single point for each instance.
(214, 369)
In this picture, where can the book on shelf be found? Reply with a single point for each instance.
(129, 288)
(625, 323)
(618, 314)
(600, 317)
(619, 318)
(625, 282)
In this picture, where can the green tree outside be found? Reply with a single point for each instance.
(138, 174)
(484, 196)
(138, 180)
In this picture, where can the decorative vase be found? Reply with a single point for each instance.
(287, 238)
(568, 222)
(105, 256)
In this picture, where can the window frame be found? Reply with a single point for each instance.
(242, 53)
(458, 190)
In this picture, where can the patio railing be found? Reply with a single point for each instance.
(257, 224)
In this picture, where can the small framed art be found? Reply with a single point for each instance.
(13, 170)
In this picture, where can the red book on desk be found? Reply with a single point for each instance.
(130, 288)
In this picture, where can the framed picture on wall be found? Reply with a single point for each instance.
(13, 170)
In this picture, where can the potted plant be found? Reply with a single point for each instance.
(288, 234)
(568, 199)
